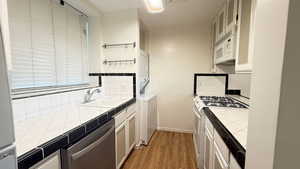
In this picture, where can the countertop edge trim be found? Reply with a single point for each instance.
(237, 150)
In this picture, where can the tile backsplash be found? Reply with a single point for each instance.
(241, 82)
(117, 86)
(27, 108)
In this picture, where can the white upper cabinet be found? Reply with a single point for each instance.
(221, 23)
(214, 27)
(244, 50)
(214, 31)
(232, 15)
(232, 34)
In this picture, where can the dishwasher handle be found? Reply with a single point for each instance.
(86, 150)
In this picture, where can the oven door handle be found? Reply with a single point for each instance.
(90, 147)
(197, 115)
(196, 112)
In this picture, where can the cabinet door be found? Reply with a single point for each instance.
(233, 163)
(214, 34)
(231, 21)
(245, 36)
(218, 160)
(121, 144)
(214, 31)
(52, 162)
(132, 131)
(208, 150)
(221, 23)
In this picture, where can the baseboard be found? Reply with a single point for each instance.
(174, 130)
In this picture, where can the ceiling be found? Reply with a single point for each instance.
(115, 5)
(177, 12)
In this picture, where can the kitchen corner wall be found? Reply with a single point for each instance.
(175, 55)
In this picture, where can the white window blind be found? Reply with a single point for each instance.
(49, 44)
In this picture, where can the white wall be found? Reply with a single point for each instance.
(175, 55)
(273, 131)
(120, 27)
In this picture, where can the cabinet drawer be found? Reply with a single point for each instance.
(51, 162)
(130, 110)
(209, 126)
(120, 118)
(222, 146)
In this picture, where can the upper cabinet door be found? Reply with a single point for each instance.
(214, 34)
(245, 34)
(232, 12)
(221, 23)
(214, 31)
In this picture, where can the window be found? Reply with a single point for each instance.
(49, 44)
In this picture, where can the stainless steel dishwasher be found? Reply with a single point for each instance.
(95, 151)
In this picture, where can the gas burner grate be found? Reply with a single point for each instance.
(217, 101)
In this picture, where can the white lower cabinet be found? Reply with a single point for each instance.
(216, 153)
(125, 134)
(208, 150)
(120, 144)
(51, 162)
(132, 131)
(219, 161)
(233, 163)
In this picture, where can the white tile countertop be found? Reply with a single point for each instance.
(235, 120)
(35, 131)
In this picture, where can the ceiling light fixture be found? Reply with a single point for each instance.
(155, 6)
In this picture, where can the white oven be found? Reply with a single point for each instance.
(198, 135)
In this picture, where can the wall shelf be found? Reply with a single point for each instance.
(106, 45)
(119, 61)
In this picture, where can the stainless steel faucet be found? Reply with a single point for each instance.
(89, 94)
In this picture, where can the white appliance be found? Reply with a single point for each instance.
(198, 135)
(7, 146)
(225, 51)
(206, 85)
(148, 117)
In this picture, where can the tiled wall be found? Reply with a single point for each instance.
(115, 86)
(241, 82)
(28, 108)
(118, 86)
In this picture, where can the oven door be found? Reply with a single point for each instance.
(197, 121)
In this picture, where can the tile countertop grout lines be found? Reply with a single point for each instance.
(41, 152)
(237, 150)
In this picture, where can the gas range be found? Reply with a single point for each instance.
(218, 101)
